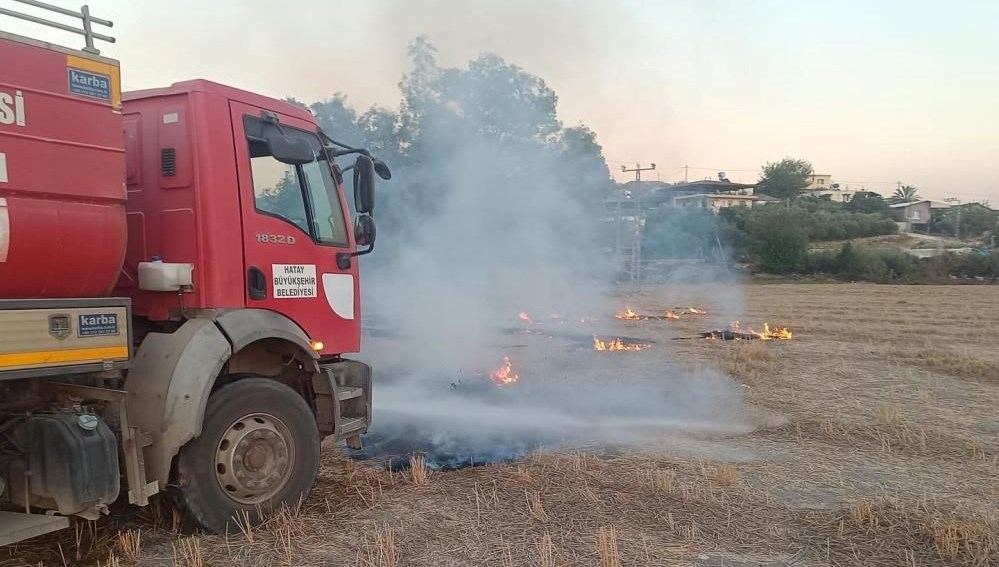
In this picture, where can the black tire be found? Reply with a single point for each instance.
(199, 482)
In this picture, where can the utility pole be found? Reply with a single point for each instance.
(957, 223)
(638, 170)
(685, 173)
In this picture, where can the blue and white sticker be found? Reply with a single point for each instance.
(97, 324)
(93, 85)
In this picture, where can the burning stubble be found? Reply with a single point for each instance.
(503, 234)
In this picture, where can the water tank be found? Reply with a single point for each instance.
(62, 172)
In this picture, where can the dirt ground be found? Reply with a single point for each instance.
(875, 441)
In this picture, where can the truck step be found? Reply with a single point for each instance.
(15, 526)
(351, 424)
(348, 393)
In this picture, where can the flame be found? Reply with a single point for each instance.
(767, 334)
(617, 345)
(779, 333)
(627, 314)
(523, 316)
(670, 315)
(504, 375)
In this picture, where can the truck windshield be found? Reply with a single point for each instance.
(302, 195)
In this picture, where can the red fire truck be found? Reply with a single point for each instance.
(178, 284)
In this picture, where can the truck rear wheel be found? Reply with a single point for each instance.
(258, 450)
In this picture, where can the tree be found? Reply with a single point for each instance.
(474, 150)
(905, 194)
(296, 102)
(778, 240)
(338, 119)
(868, 202)
(784, 179)
(582, 157)
(971, 219)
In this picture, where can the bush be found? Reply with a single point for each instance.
(889, 265)
(778, 240)
(867, 202)
(820, 219)
(822, 262)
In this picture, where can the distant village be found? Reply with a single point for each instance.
(810, 226)
(911, 215)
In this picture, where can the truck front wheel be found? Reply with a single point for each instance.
(258, 450)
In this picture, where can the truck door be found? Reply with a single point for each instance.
(294, 223)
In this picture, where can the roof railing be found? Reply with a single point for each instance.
(83, 15)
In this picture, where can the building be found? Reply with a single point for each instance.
(667, 196)
(911, 215)
(821, 185)
(836, 195)
(715, 202)
(819, 182)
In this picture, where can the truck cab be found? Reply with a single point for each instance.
(206, 191)
(178, 292)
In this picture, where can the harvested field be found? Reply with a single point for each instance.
(875, 441)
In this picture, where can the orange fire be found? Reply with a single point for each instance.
(670, 315)
(779, 333)
(627, 314)
(504, 375)
(767, 334)
(617, 345)
(523, 316)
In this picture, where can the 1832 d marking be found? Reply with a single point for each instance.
(275, 238)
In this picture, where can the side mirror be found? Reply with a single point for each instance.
(382, 169)
(364, 185)
(364, 231)
(290, 149)
(364, 235)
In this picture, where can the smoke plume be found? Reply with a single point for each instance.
(495, 208)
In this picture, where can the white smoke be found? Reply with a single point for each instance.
(502, 229)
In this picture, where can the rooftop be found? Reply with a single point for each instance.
(933, 204)
(721, 196)
(710, 186)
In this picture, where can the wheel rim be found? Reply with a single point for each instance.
(253, 460)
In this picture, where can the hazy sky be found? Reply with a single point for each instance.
(871, 92)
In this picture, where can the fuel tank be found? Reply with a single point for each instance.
(62, 172)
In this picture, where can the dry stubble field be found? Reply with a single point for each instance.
(876, 442)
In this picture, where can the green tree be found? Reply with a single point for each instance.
(338, 119)
(477, 147)
(582, 157)
(784, 179)
(905, 194)
(868, 202)
(778, 240)
(971, 219)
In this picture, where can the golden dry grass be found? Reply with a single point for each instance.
(130, 544)
(419, 474)
(610, 556)
(877, 444)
